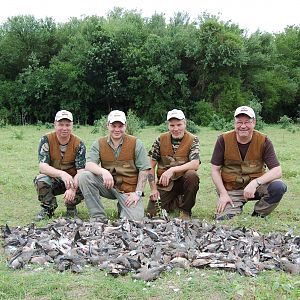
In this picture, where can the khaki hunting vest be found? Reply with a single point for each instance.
(170, 159)
(237, 173)
(123, 168)
(67, 163)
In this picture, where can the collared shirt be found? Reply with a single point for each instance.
(141, 159)
(44, 153)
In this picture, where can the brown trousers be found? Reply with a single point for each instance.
(182, 196)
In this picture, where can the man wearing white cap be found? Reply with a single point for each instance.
(176, 156)
(238, 169)
(61, 159)
(117, 168)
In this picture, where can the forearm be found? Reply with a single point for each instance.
(191, 165)
(151, 179)
(275, 173)
(142, 179)
(50, 171)
(217, 180)
(94, 168)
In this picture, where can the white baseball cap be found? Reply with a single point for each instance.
(63, 114)
(245, 110)
(175, 113)
(116, 116)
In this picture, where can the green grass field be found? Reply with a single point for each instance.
(19, 204)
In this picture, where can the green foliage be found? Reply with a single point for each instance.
(257, 107)
(134, 124)
(203, 113)
(285, 122)
(93, 65)
(220, 123)
(190, 126)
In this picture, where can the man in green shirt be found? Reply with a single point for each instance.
(117, 168)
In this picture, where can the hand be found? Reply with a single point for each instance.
(108, 180)
(223, 200)
(132, 199)
(69, 196)
(250, 190)
(67, 179)
(165, 177)
(154, 195)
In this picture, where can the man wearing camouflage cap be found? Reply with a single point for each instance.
(238, 169)
(175, 155)
(61, 159)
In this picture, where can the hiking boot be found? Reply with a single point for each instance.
(72, 212)
(184, 216)
(44, 214)
(255, 214)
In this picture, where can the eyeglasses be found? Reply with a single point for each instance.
(240, 123)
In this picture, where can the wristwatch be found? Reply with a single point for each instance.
(139, 193)
(259, 183)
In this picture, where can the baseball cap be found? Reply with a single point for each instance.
(116, 116)
(64, 114)
(175, 113)
(245, 110)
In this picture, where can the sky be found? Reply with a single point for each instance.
(265, 15)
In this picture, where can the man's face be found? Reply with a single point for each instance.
(177, 128)
(116, 130)
(244, 126)
(63, 128)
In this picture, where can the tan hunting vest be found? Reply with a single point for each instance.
(169, 158)
(67, 163)
(123, 168)
(237, 173)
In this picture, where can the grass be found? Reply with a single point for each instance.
(19, 204)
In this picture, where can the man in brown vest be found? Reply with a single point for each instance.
(61, 159)
(117, 168)
(176, 155)
(238, 169)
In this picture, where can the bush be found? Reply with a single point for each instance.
(134, 124)
(203, 113)
(219, 123)
(285, 122)
(190, 126)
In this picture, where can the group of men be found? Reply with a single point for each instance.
(118, 167)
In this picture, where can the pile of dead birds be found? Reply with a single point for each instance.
(145, 249)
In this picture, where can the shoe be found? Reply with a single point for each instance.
(71, 212)
(184, 216)
(44, 214)
(255, 214)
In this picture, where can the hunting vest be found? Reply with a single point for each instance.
(237, 173)
(169, 158)
(66, 163)
(123, 168)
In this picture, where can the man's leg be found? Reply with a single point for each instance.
(188, 186)
(230, 211)
(92, 187)
(131, 213)
(46, 195)
(269, 196)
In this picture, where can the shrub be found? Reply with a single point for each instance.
(203, 113)
(220, 123)
(190, 126)
(134, 124)
(285, 122)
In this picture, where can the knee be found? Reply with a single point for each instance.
(277, 188)
(192, 177)
(84, 177)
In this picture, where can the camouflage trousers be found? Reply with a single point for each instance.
(182, 196)
(267, 196)
(48, 187)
